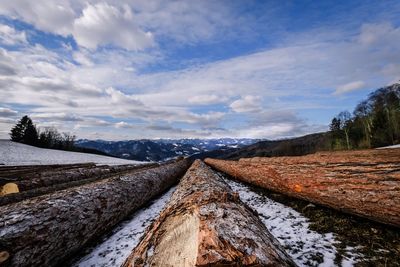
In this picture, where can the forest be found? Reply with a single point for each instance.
(375, 122)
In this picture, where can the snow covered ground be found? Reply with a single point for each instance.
(114, 249)
(389, 147)
(12, 153)
(307, 247)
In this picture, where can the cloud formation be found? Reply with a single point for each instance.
(349, 87)
(102, 24)
(132, 69)
(248, 104)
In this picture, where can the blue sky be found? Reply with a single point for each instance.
(176, 69)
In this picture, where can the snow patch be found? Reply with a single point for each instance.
(291, 229)
(114, 249)
(389, 147)
(12, 153)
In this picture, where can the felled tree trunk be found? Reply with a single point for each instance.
(206, 224)
(26, 171)
(363, 183)
(45, 230)
(48, 182)
(36, 178)
(42, 190)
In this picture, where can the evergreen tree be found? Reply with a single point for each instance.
(18, 131)
(24, 131)
(31, 135)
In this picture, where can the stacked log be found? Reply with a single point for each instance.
(43, 231)
(36, 183)
(23, 171)
(364, 183)
(206, 224)
(35, 178)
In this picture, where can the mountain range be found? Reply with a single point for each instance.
(163, 149)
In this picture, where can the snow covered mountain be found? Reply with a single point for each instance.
(162, 149)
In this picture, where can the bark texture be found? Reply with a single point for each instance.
(364, 183)
(37, 176)
(206, 224)
(50, 181)
(43, 231)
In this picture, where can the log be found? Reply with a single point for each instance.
(206, 224)
(45, 230)
(22, 171)
(35, 178)
(362, 183)
(42, 190)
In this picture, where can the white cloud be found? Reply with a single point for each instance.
(10, 36)
(349, 87)
(109, 84)
(122, 124)
(50, 16)
(102, 24)
(206, 99)
(95, 23)
(7, 112)
(372, 34)
(247, 103)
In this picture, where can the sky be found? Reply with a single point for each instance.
(119, 70)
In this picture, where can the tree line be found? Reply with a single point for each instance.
(26, 132)
(375, 122)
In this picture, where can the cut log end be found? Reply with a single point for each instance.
(4, 256)
(9, 188)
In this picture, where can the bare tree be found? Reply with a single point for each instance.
(345, 119)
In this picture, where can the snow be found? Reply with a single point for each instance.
(292, 230)
(12, 153)
(114, 249)
(389, 147)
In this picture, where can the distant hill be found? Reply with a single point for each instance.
(162, 149)
(288, 147)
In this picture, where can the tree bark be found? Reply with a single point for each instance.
(36, 177)
(206, 224)
(79, 180)
(25, 171)
(364, 183)
(43, 231)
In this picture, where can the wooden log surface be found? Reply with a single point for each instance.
(364, 183)
(22, 171)
(42, 190)
(37, 177)
(206, 224)
(43, 231)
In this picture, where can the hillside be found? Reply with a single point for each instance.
(12, 153)
(288, 147)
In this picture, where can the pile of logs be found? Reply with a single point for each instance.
(32, 181)
(206, 224)
(63, 207)
(44, 230)
(364, 183)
